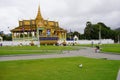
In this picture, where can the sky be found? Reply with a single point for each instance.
(71, 14)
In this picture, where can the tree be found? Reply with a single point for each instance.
(88, 30)
(117, 35)
(82, 36)
(7, 37)
(92, 31)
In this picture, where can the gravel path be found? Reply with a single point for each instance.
(86, 52)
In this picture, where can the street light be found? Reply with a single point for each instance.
(100, 34)
(118, 39)
(8, 28)
(38, 37)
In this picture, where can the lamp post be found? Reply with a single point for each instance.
(100, 34)
(38, 37)
(70, 34)
(118, 39)
(8, 28)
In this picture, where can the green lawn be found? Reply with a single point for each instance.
(8, 50)
(60, 69)
(113, 48)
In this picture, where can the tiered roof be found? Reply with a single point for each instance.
(28, 25)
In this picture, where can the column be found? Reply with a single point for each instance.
(12, 35)
(23, 35)
(15, 35)
(65, 35)
(28, 34)
(59, 36)
(19, 35)
(35, 33)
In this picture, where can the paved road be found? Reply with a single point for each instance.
(86, 52)
(118, 77)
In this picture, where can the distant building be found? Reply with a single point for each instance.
(1, 33)
(48, 32)
(1, 39)
(1, 36)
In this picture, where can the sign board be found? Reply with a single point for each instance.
(40, 28)
(48, 38)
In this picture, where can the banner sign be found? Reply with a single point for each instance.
(40, 28)
(48, 38)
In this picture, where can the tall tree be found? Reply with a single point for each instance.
(88, 30)
(92, 31)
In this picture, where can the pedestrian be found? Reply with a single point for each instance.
(97, 50)
(1, 44)
(92, 43)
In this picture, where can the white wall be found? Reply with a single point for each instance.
(16, 43)
(103, 41)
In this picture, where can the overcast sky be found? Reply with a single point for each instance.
(71, 14)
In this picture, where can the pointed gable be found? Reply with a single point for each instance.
(39, 16)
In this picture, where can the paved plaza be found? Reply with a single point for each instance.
(85, 52)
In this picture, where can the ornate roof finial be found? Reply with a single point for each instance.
(39, 17)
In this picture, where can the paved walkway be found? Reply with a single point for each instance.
(118, 77)
(86, 52)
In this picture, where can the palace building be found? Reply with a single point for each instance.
(38, 29)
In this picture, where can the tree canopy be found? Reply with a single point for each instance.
(91, 31)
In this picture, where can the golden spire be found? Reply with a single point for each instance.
(39, 17)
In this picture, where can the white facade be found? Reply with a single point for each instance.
(1, 39)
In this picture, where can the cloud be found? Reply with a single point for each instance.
(71, 14)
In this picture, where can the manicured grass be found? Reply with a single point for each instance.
(60, 69)
(9, 50)
(113, 48)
